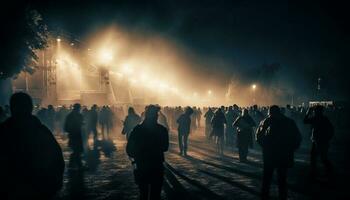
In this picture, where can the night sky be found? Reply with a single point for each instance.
(308, 39)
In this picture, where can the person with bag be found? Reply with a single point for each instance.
(279, 138)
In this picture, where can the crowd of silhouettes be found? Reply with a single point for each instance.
(39, 171)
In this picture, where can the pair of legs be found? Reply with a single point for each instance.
(150, 185)
(75, 159)
(281, 180)
(243, 152)
(94, 134)
(105, 129)
(321, 151)
(220, 142)
(183, 141)
(150, 191)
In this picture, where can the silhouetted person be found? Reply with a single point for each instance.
(42, 115)
(244, 126)
(51, 116)
(146, 145)
(131, 120)
(279, 137)
(184, 130)
(218, 129)
(73, 126)
(208, 116)
(229, 126)
(92, 123)
(322, 133)
(60, 118)
(106, 121)
(31, 160)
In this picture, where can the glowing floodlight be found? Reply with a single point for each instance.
(106, 56)
(254, 86)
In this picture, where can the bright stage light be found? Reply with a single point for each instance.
(58, 39)
(254, 86)
(105, 56)
(126, 69)
(210, 92)
(144, 77)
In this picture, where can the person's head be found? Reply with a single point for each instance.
(244, 112)
(318, 110)
(151, 113)
(274, 110)
(255, 107)
(188, 111)
(131, 111)
(76, 107)
(50, 107)
(21, 104)
(94, 107)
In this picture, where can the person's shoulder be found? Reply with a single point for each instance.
(138, 126)
(161, 127)
(265, 121)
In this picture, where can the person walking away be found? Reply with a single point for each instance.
(244, 125)
(322, 132)
(131, 120)
(208, 116)
(229, 127)
(279, 138)
(218, 128)
(184, 130)
(92, 123)
(146, 146)
(73, 126)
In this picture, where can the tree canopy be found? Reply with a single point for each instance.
(23, 33)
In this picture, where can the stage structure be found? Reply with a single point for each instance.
(67, 77)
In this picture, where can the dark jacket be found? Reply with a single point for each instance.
(184, 122)
(73, 126)
(146, 145)
(279, 137)
(32, 163)
(321, 128)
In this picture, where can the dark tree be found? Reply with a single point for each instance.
(22, 33)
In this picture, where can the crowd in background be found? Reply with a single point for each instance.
(277, 130)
